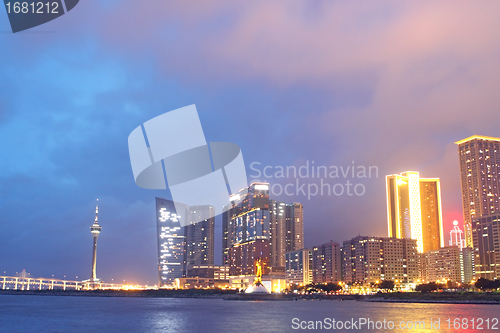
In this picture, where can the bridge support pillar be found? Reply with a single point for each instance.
(3, 287)
(15, 288)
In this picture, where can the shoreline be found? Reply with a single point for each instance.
(232, 295)
(430, 301)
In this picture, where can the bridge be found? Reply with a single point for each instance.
(30, 283)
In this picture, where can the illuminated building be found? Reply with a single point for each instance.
(326, 263)
(485, 232)
(448, 264)
(414, 209)
(227, 232)
(209, 271)
(456, 238)
(276, 225)
(249, 229)
(373, 259)
(194, 283)
(171, 242)
(442, 265)
(251, 216)
(294, 226)
(278, 233)
(298, 267)
(479, 167)
(200, 236)
(467, 263)
(242, 257)
(95, 229)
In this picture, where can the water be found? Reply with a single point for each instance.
(19, 313)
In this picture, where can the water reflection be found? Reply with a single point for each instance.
(120, 314)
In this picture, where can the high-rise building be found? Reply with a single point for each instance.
(298, 267)
(443, 264)
(200, 236)
(249, 229)
(277, 233)
(468, 264)
(448, 264)
(227, 232)
(479, 172)
(373, 259)
(95, 229)
(171, 241)
(256, 217)
(485, 233)
(414, 209)
(294, 235)
(327, 263)
(251, 216)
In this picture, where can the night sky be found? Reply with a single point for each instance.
(386, 84)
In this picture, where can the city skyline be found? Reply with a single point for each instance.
(386, 85)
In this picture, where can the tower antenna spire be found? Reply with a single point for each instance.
(96, 211)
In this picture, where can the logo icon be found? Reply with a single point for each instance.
(25, 15)
(171, 149)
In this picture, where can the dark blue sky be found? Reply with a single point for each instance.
(386, 84)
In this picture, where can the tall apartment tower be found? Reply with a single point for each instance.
(278, 233)
(294, 235)
(485, 237)
(327, 263)
(479, 167)
(414, 210)
(200, 236)
(171, 241)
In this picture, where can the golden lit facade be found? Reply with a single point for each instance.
(414, 210)
(479, 167)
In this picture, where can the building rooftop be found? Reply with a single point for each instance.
(482, 137)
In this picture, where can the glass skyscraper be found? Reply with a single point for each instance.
(294, 215)
(200, 236)
(171, 241)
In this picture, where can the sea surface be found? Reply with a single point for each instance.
(28, 313)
